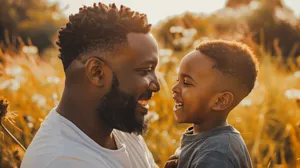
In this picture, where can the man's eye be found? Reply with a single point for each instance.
(145, 71)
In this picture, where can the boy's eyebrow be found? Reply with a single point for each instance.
(186, 75)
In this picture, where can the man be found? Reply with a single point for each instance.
(109, 57)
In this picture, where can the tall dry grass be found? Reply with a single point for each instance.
(268, 119)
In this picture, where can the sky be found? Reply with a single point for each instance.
(157, 10)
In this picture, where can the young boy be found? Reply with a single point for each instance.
(212, 80)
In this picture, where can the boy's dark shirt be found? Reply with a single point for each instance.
(221, 147)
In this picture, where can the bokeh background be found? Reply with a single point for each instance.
(32, 78)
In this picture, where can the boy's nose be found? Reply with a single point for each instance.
(175, 88)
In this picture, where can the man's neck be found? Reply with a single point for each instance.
(84, 116)
(208, 125)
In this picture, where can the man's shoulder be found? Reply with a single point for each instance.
(57, 160)
(38, 156)
(48, 143)
(52, 155)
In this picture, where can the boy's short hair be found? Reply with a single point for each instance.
(233, 59)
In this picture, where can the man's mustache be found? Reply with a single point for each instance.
(146, 95)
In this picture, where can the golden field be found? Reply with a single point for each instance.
(268, 119)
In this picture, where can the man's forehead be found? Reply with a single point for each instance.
(143, 48)
(142, 43)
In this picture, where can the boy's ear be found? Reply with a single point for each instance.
(94, 69)
(223, 101)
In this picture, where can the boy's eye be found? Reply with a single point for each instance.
(186, 83)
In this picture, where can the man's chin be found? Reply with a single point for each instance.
(140, 117)
(141, 113)
(141, 109)
(139, 128)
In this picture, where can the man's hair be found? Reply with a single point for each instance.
(232, 59)
(98, 27)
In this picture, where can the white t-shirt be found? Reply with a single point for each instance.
(61, 144)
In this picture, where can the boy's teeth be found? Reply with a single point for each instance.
(143, 102)
(179, 104)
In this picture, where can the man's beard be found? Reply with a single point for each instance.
(118, 110)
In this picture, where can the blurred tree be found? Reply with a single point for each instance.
(34, 19)
(236, 3)
(269, 22)
(276, 22)
(266, 20)
(177, 32)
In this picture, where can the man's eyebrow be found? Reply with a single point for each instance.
(150, 61)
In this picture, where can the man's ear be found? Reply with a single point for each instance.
(94, 69)
(223, 101)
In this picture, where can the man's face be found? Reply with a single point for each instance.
(195, 88)
(134, 81)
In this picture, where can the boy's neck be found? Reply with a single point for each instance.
(206, 126)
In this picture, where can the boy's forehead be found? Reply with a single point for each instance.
(190, 57)
(195, 62)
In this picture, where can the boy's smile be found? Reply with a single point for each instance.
(194, 91)
(178, 105)
(212, 80)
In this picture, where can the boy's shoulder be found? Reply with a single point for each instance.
(224, 137)
(224, 144)
(222, 140)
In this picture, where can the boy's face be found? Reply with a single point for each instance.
(196, 88)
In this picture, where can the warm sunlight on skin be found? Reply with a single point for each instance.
(32, 77)
(158, 9)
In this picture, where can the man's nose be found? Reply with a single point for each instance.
(154, 85)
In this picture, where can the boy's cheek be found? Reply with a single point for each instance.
(184, 116)
(181, 116)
